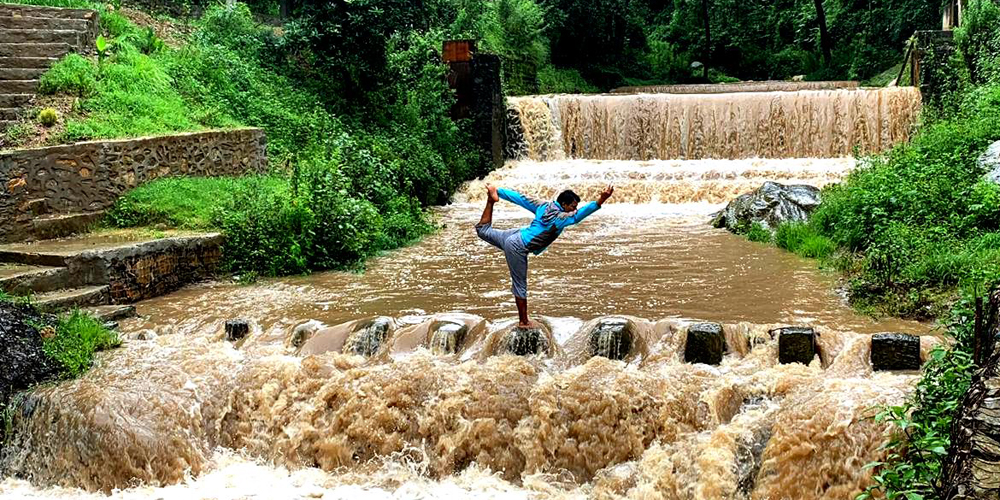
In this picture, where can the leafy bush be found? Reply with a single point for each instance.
(77, 337)
(48, 117)
(552, 80)
(979, 40)
(72, 74)
(515, 29)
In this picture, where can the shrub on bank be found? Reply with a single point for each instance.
(75, 339)
(349, 178)
(72, 74)
(921, 427)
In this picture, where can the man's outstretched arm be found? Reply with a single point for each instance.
(512, 196)
(584, 211)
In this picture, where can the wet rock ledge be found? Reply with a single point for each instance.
(24, 363)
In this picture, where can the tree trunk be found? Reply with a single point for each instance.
(824, 35)
(708, 39)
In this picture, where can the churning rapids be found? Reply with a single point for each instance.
(287, 413)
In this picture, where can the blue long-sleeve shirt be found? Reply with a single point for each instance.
(550, 219)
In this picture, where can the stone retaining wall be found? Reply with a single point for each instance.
(150, 269)
(90, 176)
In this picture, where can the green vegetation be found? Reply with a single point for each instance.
(48, 117)
(922, 426)
(759, 233)
(802, 239)
(358, 143)
(76, 338)
(73, 74)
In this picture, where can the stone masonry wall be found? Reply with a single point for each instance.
(90, 176)
(150, 269)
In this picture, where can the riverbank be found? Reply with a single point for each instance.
(37, 348)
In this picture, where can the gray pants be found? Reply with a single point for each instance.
(513, 248)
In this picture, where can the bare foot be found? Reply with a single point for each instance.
(527, 325)
(491, 193)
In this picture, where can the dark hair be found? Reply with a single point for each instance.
(566, 197)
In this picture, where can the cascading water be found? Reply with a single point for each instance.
(805, 124)
(414, 393)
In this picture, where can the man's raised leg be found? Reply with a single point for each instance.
(491, 198)
(485, 227)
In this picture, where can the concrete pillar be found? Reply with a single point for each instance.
(525, 342)
(796, 345)
(611, 338)
(706, 342)
(895, 351)
(237, 329)
(448, 338)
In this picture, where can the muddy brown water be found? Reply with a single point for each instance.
(178, 412)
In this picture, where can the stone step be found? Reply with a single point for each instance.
(71, 37)
(59, 225)
(20, 279)
(110, 313)
(16, 10)
(21, 73)
(22, 49)
(10, 114)
(27, 62)
(43, 23)
(20, 256)
(15, 100)
(18, 86)
(6, 123)
(72, 297)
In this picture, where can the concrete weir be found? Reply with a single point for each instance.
(627, 339)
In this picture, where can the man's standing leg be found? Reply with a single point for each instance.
(517, 263)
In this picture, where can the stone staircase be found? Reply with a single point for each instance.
(105, 273)
(31, 40)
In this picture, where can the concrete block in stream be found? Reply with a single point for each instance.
(611, 338)
(448, 337)
(526, 342)
(796, 345)
(237, 329)
(368, 338)
(706, 343)
(895, 351)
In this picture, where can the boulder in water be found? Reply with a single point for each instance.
(770, 206)
(895, 351)
(611, 338)
(303, 332)
(796, 345)
(448, 337)
(989, 161)
(706, 343)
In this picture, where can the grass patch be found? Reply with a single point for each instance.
(182, 202)
(802, 239)
(758, 233)
(77, 336)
